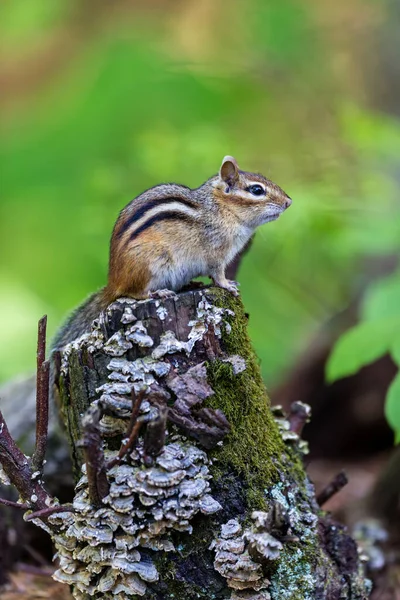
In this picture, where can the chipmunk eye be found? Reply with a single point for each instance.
(256, 190)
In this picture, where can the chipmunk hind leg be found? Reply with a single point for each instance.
(164, 281)
(132, 277)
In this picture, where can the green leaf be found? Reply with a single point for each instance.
(382, 298)
(392, 407)
(395, 351)
(361, 345)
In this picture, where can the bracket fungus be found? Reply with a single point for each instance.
(109, 548)
(241, 556)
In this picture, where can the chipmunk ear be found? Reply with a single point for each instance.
(229, 171)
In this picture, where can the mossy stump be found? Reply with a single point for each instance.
(192, 354)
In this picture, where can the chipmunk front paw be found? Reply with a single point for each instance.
(232, 286)
(226, 284)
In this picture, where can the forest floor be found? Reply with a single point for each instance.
(28, 586)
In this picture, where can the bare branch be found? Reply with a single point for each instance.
(42, 398)
(137, 400)
(18, 470)
(47, 512)
(337, 483)
(133, 429)
(13, 504)
(41, 342)
(92, 445)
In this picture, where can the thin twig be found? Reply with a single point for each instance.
(41, 342)
(126, 445)
(42, 398)
(337, 483)
(47, 512)
(13, 504)
(17, 468)
(92, 444)
(133, 429)
(137, 400)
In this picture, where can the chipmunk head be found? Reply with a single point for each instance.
(253, 198)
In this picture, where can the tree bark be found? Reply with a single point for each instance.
(237, 520)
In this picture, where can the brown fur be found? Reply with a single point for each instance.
(171, 233)
(129, 271)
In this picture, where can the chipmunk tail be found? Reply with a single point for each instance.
(80, 320)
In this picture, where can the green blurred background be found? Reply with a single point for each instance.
(100, 100)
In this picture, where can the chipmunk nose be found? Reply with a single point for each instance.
(287, 202)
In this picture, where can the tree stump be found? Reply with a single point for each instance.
(206, 496)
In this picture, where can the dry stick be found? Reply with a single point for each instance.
(337, 483)
(133, 429)
(125, 447)
(47, 512)
(92, 444)
(42, 398)
(136, 404)
(13, 504)
(23, 473)
(18, 470)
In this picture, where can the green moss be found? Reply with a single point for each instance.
(254, 446)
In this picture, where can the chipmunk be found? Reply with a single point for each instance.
(170, 234)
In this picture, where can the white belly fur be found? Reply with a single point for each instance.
(194, 262)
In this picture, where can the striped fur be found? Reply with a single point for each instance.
(152, 208)
(171, 234)
(162, 215)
